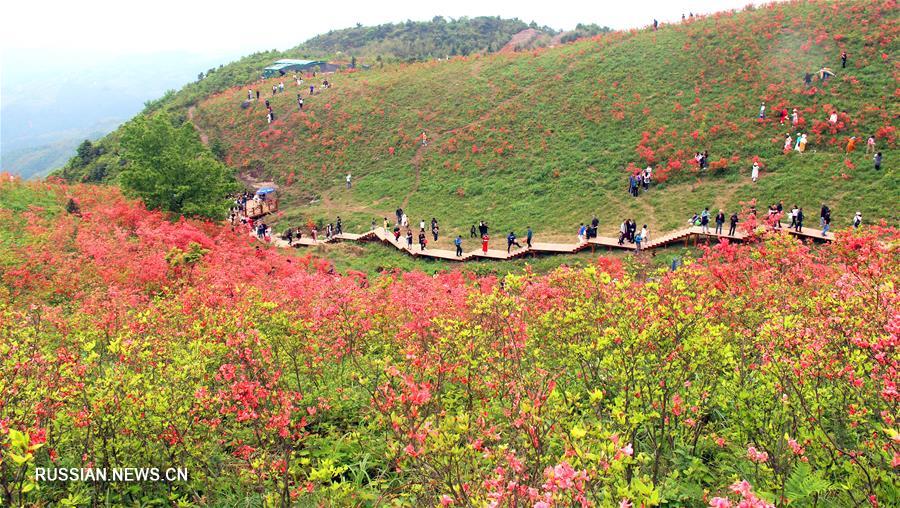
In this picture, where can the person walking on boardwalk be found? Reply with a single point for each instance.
(404, 220)
(704, 221)
(581, 232)
(510, 241)
(472, 233)
(422, 240)
(314, 232)
(623, 231)
(340, 225)
(484, 243)
(720, 221)
(799, 227)
(857, 220)
(595, 224)
(528, 235)
(632, 230)
(637, 242)
(409, 238)
(435, 230)
(458, 243)
(384, 224)
(733, 224)
(397, 233)
(826, 223)
(779, 209)
(793, 217)
(645, 234)
(825, 211)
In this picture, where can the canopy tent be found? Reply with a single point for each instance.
(265, 190)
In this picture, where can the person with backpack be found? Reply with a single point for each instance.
(733, 221)
(528, 235)
(720, 221)
(458, 244)
(510, 241)
(826, 224)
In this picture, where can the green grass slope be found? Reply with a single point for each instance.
(545, 138)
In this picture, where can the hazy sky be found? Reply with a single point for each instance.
(129, 26)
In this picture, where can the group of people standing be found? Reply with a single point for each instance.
(640, 179)
(628, 232)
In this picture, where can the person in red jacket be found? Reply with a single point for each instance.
(484, 243)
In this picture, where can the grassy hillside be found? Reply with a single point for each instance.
(547, 138)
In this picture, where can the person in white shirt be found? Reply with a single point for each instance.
(833, 118)
(754, 173)
(348, 180)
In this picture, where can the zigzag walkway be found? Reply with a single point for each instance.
(681, 235)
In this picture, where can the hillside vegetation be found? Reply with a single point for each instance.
(759, 374)
(547, 138)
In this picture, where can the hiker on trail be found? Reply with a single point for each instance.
(733, 224)
(851, 144)
(340, 225)
(484, 243)
(779, 209)
(510, 241)
(857, 220)
(801, 146)
(704, 221)
(825, 211)
(472, 233)
(422, 240)
(434, 222)
(762, 110)
(826, 221)
(483, 228)
(795, 117)
(422, 225)
(267, 104)
(424, 139)
(645, 234)
(281, 86)
(269, 116)
(877, 160)
(637, 241)
(631, 184)
(250, 95)
(399, 213)
(788, 142)
(458, 243)
(384, 224)
(843, 59)
(274, 90)
(434, 231)
(582, 230)
(528, 235)
(655, 25)
(372, 228)
(409, 238)
(646, 181)
(348, 181)
(397, 233)
(289, 236)
(299, 102)
(799, 226)
(404, 220)
(754, 172)
(833, 118)
(870, 144)
(794, 211)
(623, 232)
(720, 221)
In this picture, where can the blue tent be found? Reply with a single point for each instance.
(265, 190)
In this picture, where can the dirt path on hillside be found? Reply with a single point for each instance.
(417, 164)
(203, 137)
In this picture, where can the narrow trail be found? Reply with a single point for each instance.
(203, 137)
(417, 164)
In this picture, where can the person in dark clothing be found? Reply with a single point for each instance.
(409, 238)
(397, 232)
(458, 243)
(632, 229)
(399, 213)
(720, 221)
(528, 235)
(733, 227)
(472, 232)
(422, 241)
(825, 211)
(843, 59)
(257, 95)
(826, 223)
(877, 160)
(595, 223)
(807, 79)
(267, 104)
(799, 227)
(510, 241)
(434, 231)
(655, 25)
(339, 226)
(289, 236)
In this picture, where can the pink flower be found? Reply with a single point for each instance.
(742, 487)
(624, 503)
(757, 456)
(719, 502)
(541, 504)
(446, 500)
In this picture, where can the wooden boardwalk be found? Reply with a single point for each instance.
(685, 236)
